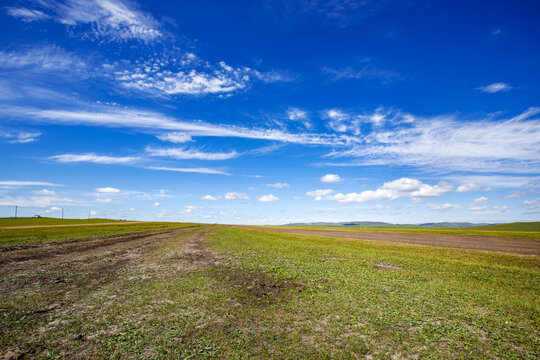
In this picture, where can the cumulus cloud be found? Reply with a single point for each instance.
(44, 192)
(236, 196)
(392, 190)
(439, 207)
(465, 188)
(494, 88)
(331, 178)
(320, 194)
(477, 204)
(532, 204)
(107, 190)
(104, 200)
(210, 197)
(156, 204)
(268, 198)
(279, 185)
(188, 209)
(94, 158)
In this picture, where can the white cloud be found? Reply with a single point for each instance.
(94, 158)
(439, 207)
(268, 198)
(20, 137)
(210, 197)
(487, 145)
(132, 209)
(16, 183)
(279, 185)
(191, 154)
(188, 209)
(104, 200)
(53, 209)
(392, 190)
(115, 117)
(298, 115)
(236, 195)
(366, 72)
(501, 208)
(109, 19)
(532, 204)
(189, 170)
(27, 15)
(44, 192)
(320, 194)
(107, 190)
(476, 204)
(175, 137)
(480, 200)
(465, 188)
(157, 204)
(494, 88)
(331, 178)
(39, 201)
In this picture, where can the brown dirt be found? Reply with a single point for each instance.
(471, 242)
(69, 225)
(57, 276)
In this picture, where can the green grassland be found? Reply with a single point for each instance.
(50, 221)
(517, 226)
(46, 234)
(264, 295)
(513, 230)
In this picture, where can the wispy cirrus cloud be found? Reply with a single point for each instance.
(112, 20)
(20, 137)
(200, 170)
(130, 118)
(494, 88)
(449, 143)
(17, 183)
(366, 72)
(188, 154)
(94, 158)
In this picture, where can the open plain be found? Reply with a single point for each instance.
(213, 291)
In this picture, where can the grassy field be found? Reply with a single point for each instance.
(517, 230)
(23, 236)
(50, 221)
(221, 292)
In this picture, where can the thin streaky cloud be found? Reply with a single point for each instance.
(199, 170)
(94, 158)
(494, 88)
(186, 154)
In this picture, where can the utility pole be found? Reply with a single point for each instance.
(62, 213)
(16, 208)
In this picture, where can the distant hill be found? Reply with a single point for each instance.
(517, 226)
(378, 224)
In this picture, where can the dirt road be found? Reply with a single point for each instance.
(39, 280)
(472, 242)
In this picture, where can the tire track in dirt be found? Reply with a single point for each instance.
(468, 242)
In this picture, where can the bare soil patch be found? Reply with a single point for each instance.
(471, 242)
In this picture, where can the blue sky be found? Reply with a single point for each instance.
(271, 112)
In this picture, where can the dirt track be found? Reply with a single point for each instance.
(473, 242)
(60, 276)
